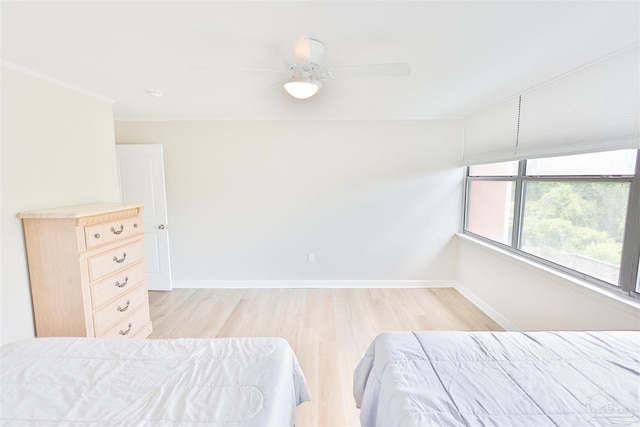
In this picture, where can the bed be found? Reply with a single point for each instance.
(174, 382)
(439, 378)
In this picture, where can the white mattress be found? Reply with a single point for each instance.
(116, 382)
(500, 379)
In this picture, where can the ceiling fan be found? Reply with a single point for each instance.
(306, 76)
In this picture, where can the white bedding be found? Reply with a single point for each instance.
(500, 379)
(180, 382)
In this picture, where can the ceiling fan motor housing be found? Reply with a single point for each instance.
(316, 50)
(307, 54)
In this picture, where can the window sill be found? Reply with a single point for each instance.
(563, 278)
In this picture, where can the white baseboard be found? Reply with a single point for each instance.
(488, 310)
(311, 284)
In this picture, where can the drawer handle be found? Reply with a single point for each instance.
(121, 332)
(114, 231)
(97, 235)
(120, 261)
(135, 225)
(123, 284)
(126, 307)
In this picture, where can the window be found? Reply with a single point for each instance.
(573, 213)
(490, 202)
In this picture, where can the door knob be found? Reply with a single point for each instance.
(162, 227)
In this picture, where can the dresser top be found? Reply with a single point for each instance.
(79, 211)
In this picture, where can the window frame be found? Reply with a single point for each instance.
(629, 277)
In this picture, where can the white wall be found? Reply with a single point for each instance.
(248, 200)
(531, 298)
(57, 150)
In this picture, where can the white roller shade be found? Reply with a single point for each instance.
(490, 135)
(595, 108)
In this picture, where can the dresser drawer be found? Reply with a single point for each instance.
(119, 309)
(94, 235)
(113, 260)
(131, 326)
(109, 288)
(113, 231)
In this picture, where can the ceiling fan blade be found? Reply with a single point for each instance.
(260, 70)
(399, 69)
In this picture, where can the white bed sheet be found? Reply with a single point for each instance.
(177, 382)
(500, 379)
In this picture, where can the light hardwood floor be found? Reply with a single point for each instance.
(328, 329)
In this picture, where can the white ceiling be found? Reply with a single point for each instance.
(464, 55)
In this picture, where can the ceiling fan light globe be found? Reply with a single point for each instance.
(302, 88)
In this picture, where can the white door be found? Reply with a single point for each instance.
(141, 170)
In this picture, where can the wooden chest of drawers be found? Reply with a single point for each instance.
(87, 271)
